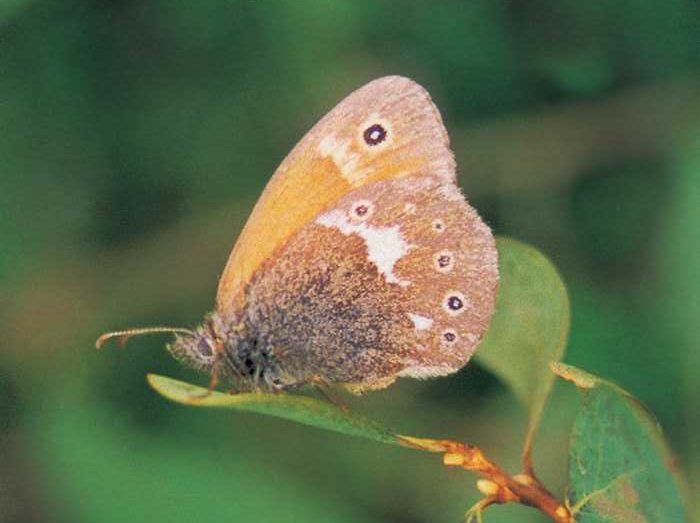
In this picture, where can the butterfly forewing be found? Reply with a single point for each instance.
(398, 278)
(387, 129)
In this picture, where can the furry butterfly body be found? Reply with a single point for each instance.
(362, 262)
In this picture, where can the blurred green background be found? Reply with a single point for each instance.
(135, 139)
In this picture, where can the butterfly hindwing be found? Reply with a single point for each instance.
(387, 129)
(398, 278)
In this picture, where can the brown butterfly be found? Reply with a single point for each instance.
(361, 262)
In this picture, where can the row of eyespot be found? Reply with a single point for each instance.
(442, 262)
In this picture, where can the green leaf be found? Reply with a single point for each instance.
(620, 469)
(294, 407)
(529, 329)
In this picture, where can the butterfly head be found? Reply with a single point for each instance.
(229, 349)
(225, 348)
(198, 349)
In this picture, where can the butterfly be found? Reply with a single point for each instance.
(361, 262)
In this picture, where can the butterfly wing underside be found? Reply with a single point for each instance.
(398, 278)
(387, 129)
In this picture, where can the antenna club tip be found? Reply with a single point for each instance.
(99, 342)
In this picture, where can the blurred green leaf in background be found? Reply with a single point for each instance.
(529, 329)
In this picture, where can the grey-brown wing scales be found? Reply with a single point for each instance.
(399, 278)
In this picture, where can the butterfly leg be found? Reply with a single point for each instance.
(213, 382)
(215, 376)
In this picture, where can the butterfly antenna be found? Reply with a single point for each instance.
(123, 336)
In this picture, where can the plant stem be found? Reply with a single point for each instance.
(525, 489)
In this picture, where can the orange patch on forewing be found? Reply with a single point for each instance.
(314, 176)
(287, 204)
(284, 208)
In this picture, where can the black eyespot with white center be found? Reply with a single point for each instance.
(374, 134)
(443, 261)
(361, 210)
(454, 303)
(449, 337)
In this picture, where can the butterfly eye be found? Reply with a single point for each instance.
(374, 134)
(443, 261)
(203, 347)
(454, 303)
